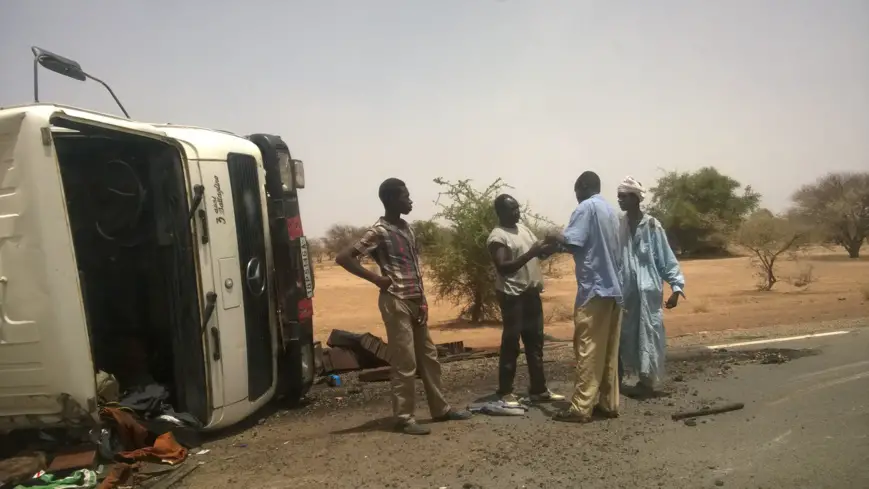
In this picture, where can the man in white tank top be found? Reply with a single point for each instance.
(519, 281)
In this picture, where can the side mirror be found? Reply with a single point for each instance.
(65, 67)
(299, 173)
(58, 64)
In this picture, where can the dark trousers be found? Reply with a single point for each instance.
(523, 319)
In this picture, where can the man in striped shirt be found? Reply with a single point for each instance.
(392, 245)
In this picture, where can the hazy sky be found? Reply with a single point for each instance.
(773, 93)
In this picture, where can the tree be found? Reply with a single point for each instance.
(340, 236)
(768, 236)
(701, 210)
(838, 205)
(317, 249)
(461, 268)
(428, 235)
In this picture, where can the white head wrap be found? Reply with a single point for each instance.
(630, 185)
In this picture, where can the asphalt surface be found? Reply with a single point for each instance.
(805, 424)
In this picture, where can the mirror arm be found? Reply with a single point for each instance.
(112, 93)
(36, 79)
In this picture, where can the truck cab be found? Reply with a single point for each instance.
(170, 253)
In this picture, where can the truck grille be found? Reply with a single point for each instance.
(243, 178)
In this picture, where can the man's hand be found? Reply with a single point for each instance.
(673, 301)
(423, 313)
(383, 282)
(548, 250)
(537, 248)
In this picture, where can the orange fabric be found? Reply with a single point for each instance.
(165, 449)
(119, 475)
(132, 434)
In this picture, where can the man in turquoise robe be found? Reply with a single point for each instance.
(647, 262)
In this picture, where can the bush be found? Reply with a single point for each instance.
(768, 237)
(701, 210)
(340, 236)
(838, 205)
(461, 267)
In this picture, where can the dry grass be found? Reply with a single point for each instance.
(346, 302)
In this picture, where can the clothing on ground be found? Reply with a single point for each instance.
(411, 349)
(522, 316)
(596, 345)
(165, 449)
(395, 251)
(592, 237)
(498, 408)
(80, 479)
(648, 263)
(518, 240)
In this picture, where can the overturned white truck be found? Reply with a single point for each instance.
(190, 239)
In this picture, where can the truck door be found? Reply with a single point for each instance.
(225, 316)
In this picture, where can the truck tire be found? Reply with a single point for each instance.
(295, 372)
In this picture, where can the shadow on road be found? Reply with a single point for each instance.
(386, 424)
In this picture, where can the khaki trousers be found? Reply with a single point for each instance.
(596, 345)
(411, 350)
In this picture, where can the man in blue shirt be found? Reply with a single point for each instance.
(592, 238)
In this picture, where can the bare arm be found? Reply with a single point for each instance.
(348, 259)
(501, 256)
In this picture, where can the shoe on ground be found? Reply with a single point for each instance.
(547, 396)
(605, 413)
(510, 399)
(453, 415)
(412, 428)
(570, 416)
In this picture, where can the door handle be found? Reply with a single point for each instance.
(215, 336)
(203, 218)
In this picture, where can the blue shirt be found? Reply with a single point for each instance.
(593, 238)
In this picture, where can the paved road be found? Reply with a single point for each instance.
(805, 424)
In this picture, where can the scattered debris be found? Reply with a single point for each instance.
(78, 458)
(772, 357)
(708, 411)
(375, 374)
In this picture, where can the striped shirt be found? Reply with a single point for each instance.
(394, 250)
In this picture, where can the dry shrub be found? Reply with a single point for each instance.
(804, 277)
(559, 314)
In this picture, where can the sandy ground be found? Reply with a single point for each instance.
(721, 295)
